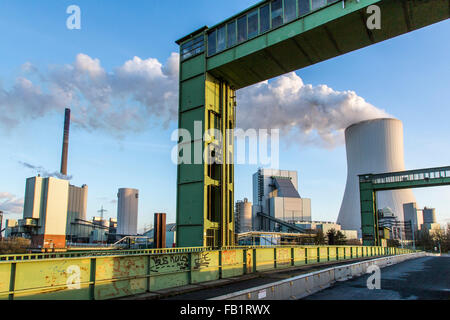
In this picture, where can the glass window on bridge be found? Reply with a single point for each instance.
(316, 4)
(290, 10)
(231, 34)
(221, 45)
(212, 43)
(252, 24)
(303, 7)
(264, 19)
(277, 13)
(192, 47)
(242, 29)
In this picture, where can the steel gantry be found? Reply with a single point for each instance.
(369, 184)
(268, 39)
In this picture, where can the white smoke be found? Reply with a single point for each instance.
(45, 173)
(142, 92)
(304, 113)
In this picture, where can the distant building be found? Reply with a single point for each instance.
(170, 234)
(10, 225)
(76, 208)
(127, 211)
(431, 227)
(275, 193)
(45, 212)
(398, 230)
(413, 217)
(429, 215)
(243, 216)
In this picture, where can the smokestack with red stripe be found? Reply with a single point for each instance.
(65, 148)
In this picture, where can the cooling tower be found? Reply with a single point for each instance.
(373, 146)
(127, 211)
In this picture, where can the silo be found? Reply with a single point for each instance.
(429, 215)
(244, 213)
(127, 211)
(373, 146)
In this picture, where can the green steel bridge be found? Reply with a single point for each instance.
(268, 39)
(369, 184)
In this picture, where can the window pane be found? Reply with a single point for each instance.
(277, 13)
(264, 19)
(212, 43)
(253, 24)
(290, 12)
(316, 4)
(242, 29)
(303, 7)
(192, 47)
(231, 33)
(221, 39)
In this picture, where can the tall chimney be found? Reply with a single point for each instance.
(65, 148)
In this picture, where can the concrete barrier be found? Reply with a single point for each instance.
(306, 284)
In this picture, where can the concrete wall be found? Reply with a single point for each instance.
(57, 195)
(77, 206)
(306, 284)
(33, 197)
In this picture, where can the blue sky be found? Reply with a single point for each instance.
(408, 77)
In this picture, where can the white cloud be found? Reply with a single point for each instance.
(139, 92)
(10, 204)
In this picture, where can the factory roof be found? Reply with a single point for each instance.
(285, 188)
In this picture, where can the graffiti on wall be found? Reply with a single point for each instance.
(169, 263)
(202, 261)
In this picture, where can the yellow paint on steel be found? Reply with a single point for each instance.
(114, 276)
(299, 256)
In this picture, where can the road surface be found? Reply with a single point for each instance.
(422, 278)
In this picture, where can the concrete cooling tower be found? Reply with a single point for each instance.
(373, 146)
(127, 211)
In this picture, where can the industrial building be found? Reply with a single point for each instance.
(45, 212)
(326, 226)
(170, 234)
(76, 208)
(127, 211)
(389, 222)
(373, 146)
(413, 217)
(243, 216)
(275, 194)
(429, 215)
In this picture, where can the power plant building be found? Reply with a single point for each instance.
(429, 215)
(373, 146)
(243, 217)
(413, 216)
(45, 211)
(127, 211)
(77, 206)
(275, 193)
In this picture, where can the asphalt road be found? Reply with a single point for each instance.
(417, 279)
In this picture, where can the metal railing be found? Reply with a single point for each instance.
(126, 273)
